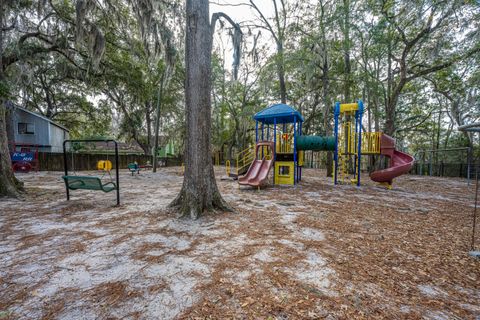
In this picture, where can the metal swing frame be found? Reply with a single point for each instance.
(117, 175)
(474, 128)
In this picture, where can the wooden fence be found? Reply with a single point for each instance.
(88, 161)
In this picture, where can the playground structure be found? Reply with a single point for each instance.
(24, 157)
(95, 183)
(280, 145)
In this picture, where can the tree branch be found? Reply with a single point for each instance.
(443, 65)
(217, 16)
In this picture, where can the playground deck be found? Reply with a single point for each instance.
(310, 251)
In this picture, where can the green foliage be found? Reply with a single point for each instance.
(53, 73)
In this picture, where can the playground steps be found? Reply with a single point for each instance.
(243, 160)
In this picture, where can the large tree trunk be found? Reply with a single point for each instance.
(390, 104)
(148, 123)
(327, 105)
(391, 107)
(199, 191)
(157, 127)
(279, 36)
(327, 125)
(281, 72)
(9, 185)
(346, 51)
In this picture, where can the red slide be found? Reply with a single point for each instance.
(257, 174)
(400, 162)
(251, 172)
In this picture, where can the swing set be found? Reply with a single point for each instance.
(75, 182)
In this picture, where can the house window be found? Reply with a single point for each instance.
(26, 128)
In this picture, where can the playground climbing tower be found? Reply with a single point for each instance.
(348, 142)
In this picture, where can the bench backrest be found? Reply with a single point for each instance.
(83, 182)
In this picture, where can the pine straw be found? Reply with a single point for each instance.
(268, 292)
(382, 247)
(382, 253)
(398, 253)
(105, 296)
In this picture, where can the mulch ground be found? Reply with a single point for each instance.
(306, 252)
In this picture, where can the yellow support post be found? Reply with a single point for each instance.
(387, 185)
(227, 167)
(301, 158)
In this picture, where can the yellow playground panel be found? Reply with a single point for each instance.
(284, 172)
(348, 107)
(104, 165)
(371, 142)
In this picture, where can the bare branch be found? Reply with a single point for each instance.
(269, 26)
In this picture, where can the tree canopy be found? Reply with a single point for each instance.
(116, 67)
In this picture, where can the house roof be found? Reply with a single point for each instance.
(281, 112)
(12, 105)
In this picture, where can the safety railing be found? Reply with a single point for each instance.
(371, 142)
(228, 168)
(244, 159)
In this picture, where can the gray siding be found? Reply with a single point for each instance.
(45, 133)
(57, 135)
(40, 135)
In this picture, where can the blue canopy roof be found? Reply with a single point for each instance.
(281, 112)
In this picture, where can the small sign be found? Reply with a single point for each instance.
(23, 156)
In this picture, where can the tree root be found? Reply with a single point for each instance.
(191, 206)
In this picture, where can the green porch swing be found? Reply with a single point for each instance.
(74, 182)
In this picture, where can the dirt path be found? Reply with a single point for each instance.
(310, 251)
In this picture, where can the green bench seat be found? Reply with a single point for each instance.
(88, 183)
(133, 167)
